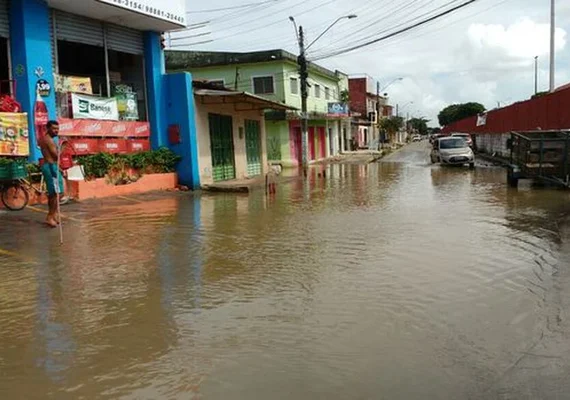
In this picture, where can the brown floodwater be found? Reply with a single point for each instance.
(396, 280)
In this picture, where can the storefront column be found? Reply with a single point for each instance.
(181, 113)
(31, 53)
(156, 90)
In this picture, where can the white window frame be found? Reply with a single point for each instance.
(253, 78)
(317, 94)
(327, 93)
(291, 78)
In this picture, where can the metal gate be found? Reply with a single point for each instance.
(253, 147)
(222, 147)
(124, 40)
(78, 29)
(4, 19)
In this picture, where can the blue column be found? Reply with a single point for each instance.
(181, 112)
(31, 51)
(155, 91)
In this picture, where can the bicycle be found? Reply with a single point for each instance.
(16, 193)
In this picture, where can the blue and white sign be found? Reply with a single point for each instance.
(338, 109)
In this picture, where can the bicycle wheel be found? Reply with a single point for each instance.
(15, 197)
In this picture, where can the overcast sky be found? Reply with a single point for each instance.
(484, 52)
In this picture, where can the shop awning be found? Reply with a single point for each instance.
(242, 101)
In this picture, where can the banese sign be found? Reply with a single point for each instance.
(91, 107)
(338, 109)
(167, 10)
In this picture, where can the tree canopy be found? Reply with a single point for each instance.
(419, 125)
(392, 125)
(457, 112)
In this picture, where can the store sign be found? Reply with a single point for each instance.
(167, 10)
(14, 134)
(91, 128)
(43, 88)
(338, 109)
(91, 107)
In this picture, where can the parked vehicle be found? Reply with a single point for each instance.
(436, 136)
(541, 156)
(452, 151)
(466, 136)
(416, 138)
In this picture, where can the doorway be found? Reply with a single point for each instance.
(222, 147)
(253, 147)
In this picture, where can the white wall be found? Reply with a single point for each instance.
(238, 120)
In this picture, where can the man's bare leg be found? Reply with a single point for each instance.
(52, 212)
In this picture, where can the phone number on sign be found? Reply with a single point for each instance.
(135, 5)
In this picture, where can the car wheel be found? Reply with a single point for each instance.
(471, 165)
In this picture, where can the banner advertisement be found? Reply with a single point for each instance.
(92, 107)
(338, 109)
(482, 119)
(82, 147)
(137, 145)
(113, 146)
(91, 128)
(173, 11)
(127, 102)
(14, 139)
(72, 84)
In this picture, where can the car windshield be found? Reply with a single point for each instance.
(455, 143)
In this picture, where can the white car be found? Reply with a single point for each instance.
(452, 151)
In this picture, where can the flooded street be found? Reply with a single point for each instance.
(395, 280)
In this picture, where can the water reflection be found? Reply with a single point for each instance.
(339, 286)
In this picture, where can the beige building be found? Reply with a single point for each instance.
(231, 133)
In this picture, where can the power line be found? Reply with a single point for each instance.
(398, 32)
(401, 23)
(230, 8)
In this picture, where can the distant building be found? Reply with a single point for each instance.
(274, 76)
(365, 111)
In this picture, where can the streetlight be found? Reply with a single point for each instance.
(304, 75)
(398, 109)
(535, 75)
(552, 43)
(390, 84)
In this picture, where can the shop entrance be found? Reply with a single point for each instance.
(253, 147)
(99, 59)
(222, 147)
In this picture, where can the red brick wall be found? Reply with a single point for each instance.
(551, 111)
(357, 89)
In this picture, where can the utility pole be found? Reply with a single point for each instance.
(236, 81)
(304, 75)
(378, 110)
(535, 75)
(552, 43)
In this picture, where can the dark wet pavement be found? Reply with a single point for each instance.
(396, 280)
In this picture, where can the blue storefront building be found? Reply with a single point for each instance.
(109, 41)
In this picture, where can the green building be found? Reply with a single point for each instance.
(274, 75)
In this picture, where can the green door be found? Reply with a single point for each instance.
(253, 147)
(222, 145)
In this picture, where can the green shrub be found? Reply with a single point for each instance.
(100, 165)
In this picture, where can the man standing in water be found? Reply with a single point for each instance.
(50, 170)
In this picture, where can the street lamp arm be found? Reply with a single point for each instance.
(329, 28)
(390, 84)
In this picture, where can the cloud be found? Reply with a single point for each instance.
(520, 41)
